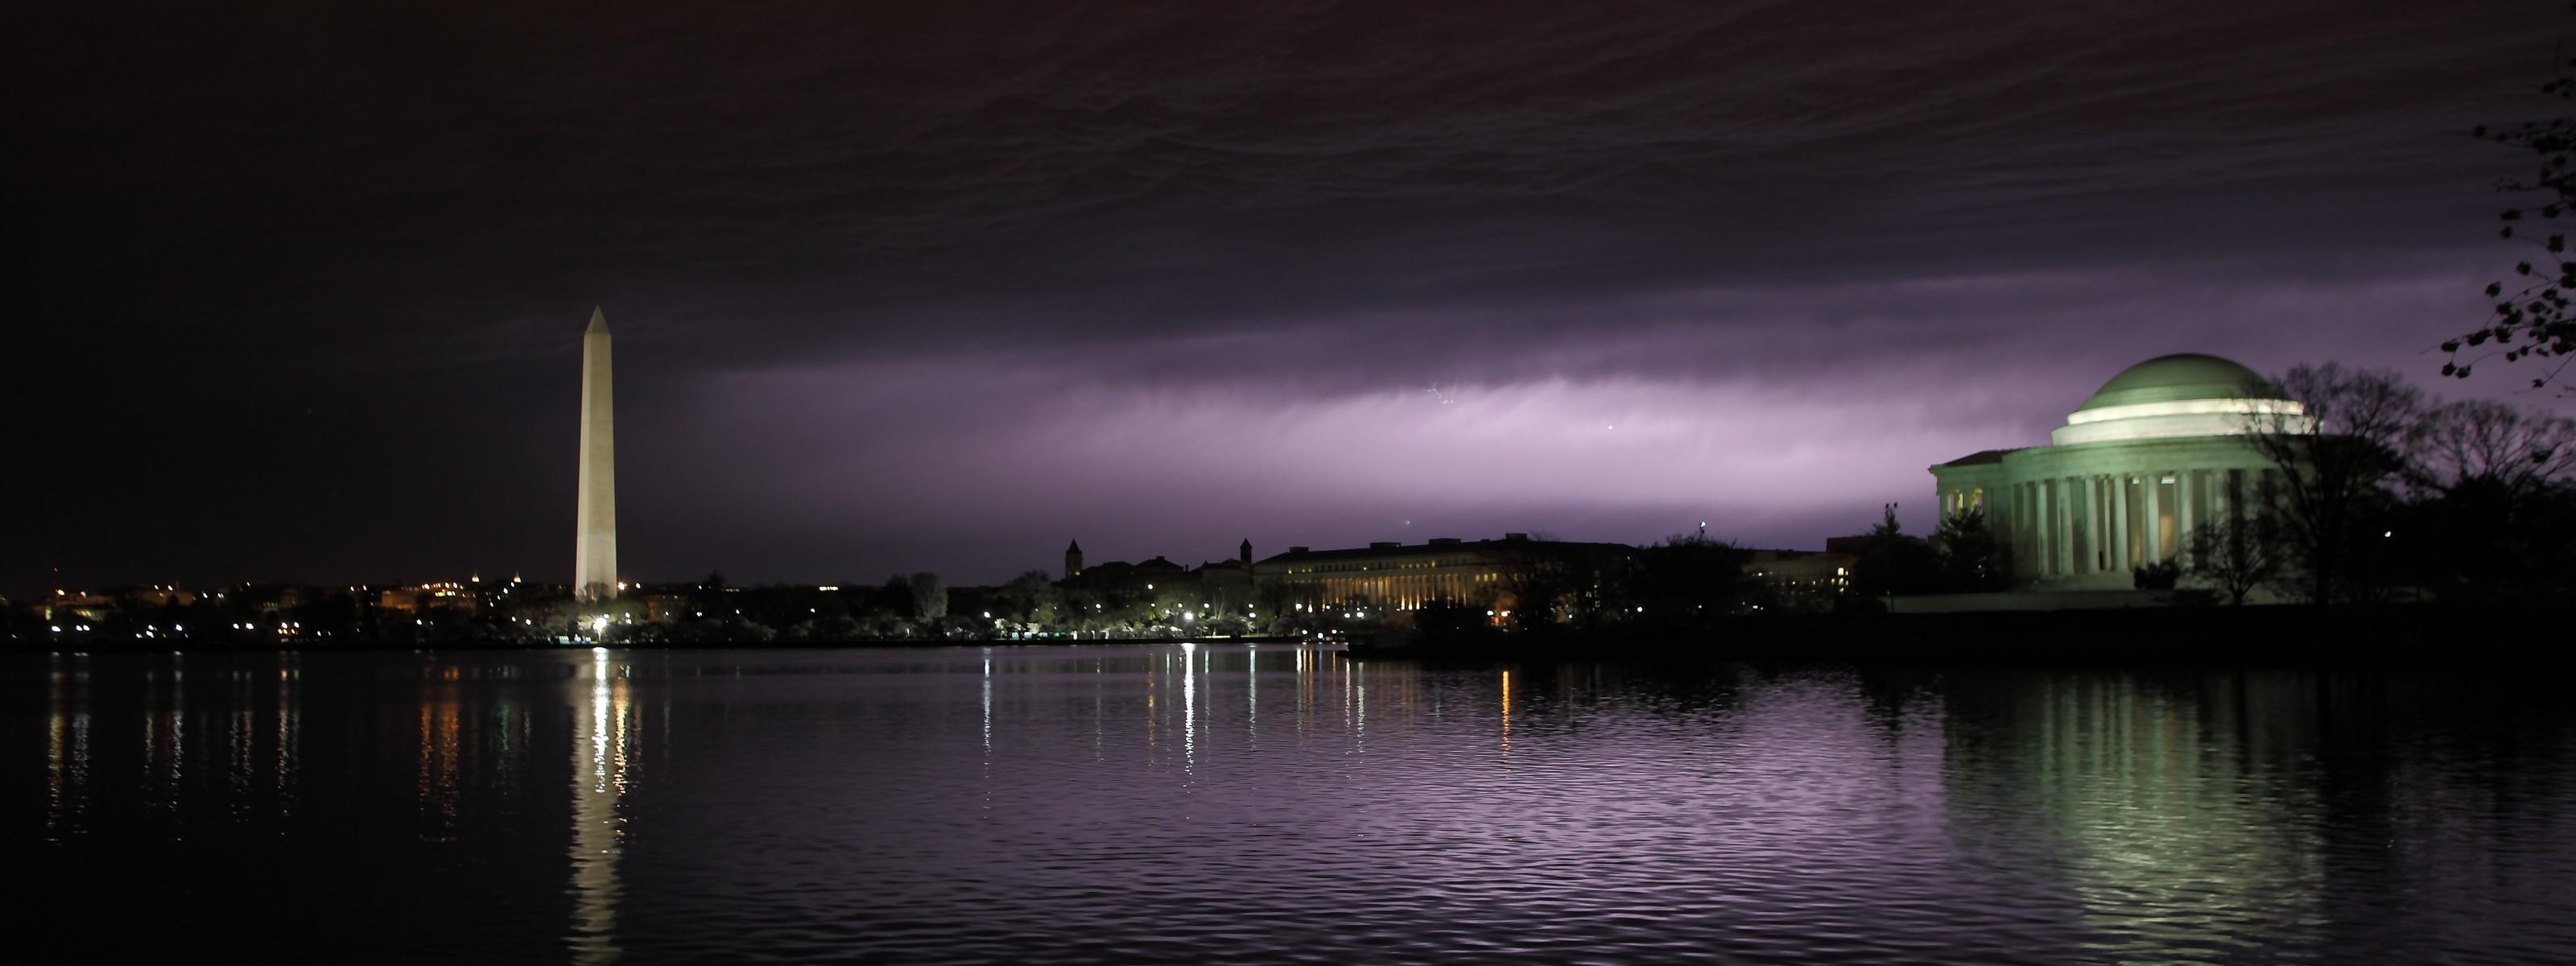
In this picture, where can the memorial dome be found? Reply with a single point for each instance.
(2187, 394)
(2188, 375)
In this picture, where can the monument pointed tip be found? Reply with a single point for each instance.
(598, 320)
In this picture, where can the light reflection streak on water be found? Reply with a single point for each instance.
(420, 760)
(165, 740)
(985, 763)
(237, 740)
(66, 745)
(1189, 708)
(1305, 692)
(1359, 713)
(597, 788)
(1342, 674)
(178, 729)
(438, 779)
(56, 738)
(1507, 712)
(1252, 694)
(290, 724)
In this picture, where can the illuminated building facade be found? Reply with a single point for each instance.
(1401, 576)
(1798, 580)
(444, 595)
(2157, 452)
(159, 595)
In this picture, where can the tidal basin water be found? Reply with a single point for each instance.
(1272, 804)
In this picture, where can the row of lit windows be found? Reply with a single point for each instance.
(1364, 565)
(1483, 578)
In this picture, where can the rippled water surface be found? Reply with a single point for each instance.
(1227, 803)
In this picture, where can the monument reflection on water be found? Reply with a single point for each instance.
(1217, 800)
(603, 723)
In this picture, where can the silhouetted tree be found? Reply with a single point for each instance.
(2235, 554)
(1031, 598)
(1893, 563)
(892, 599)
(929, 598)
(1546, 582)
(1444, 623)
(2476, 441)
(1970, 555)
(1687, 579)
(707, 598)
(2492, 484)
(1531, 587)
(2533, 312)
(2333, 467)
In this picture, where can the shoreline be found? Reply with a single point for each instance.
(2409, 634)
(2415, 634)
(855, 643)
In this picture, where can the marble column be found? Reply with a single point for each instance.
(2043, 534)
(2231, 501)
(2152, 516)
(2039, 532)
(2056, 519)
(2106, 553)
(2187, 515)
(2119, 524)
(2103, 539)
(2074, 525)
(2059, 527)
(2080, 544)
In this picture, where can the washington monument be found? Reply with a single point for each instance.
(594, 554)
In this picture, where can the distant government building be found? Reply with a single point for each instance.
(2158, 451)
(1401, 576)
(1395, 575)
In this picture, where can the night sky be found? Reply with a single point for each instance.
(297, 289)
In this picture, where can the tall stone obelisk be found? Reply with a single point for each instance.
(594, 554)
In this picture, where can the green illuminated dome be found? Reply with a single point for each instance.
(2179, 377)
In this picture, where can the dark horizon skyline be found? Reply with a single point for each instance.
(912, 289)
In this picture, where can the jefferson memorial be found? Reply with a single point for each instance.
(2158, 451)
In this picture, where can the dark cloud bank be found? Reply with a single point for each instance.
(943, 285)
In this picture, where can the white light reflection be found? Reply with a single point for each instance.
(1305, 690)
(1189, 707)
(290, 734)
(985, 765)
(167, 745)
(67, 730)
(1359, 712)
(598, 788)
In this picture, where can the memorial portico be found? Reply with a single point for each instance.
(2160, 450)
